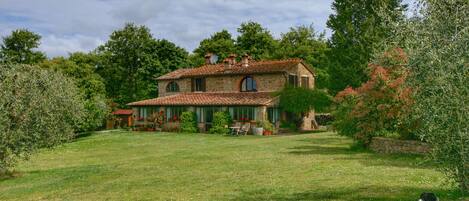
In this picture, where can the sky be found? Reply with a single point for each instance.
(82, 25)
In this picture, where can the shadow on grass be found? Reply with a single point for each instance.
(75, 173)
(339, 149)
(375, 193)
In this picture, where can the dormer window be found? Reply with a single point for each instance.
(172, 87)
(248, 84)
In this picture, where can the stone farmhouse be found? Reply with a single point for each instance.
(246, 89)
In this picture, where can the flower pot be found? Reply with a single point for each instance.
(266, 132)
(258, 131)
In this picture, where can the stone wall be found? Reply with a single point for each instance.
(389, 145)
(184, 86)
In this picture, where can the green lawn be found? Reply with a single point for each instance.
(155, 166)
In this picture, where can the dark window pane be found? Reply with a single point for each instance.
(172, 87)
(248, 84)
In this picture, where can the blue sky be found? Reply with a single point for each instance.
(71, 25)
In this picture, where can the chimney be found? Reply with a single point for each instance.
(227, 63)
(208, 56)
(245, 60)
(230, 61)
(232, 58)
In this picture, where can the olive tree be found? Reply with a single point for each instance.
(437, 43)
(40, 109)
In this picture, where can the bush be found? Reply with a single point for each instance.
(288, 125)
(39, 109)
(266, 125)
(299, 101)
(189, 122)
(221, 122)
(378, 106)
(324, 119)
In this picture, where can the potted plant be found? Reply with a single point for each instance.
(268, 127)
(258, 130)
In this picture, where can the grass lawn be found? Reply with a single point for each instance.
(150, 166)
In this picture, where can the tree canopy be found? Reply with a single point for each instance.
(40, 108)
(220, 43)
(19, 47)
(255, 40)
(132, 58)
(79, 66)
(305, 43)
(438, 45)
(358, 28)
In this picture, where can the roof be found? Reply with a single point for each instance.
(122, 112)
(210, 98)
(277, 66)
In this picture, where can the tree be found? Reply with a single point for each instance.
(19, 48)
(132, 58)
(305, 43)
(170, 56)
(80, 67)
(438, 45)
(358, 29)
(220, 43)
(255, 40)
(299, 101)
(40, 108)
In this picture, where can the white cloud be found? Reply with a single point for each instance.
(68, 26)
(61, 46)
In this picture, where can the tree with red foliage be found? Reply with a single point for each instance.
(378, 106)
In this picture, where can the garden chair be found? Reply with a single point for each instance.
(245, 128)
(235, 128)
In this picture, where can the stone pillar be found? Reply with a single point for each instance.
(262, 113)
(309, 122)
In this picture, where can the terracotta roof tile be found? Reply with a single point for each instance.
(122, 112)
(211, 98)
(219, 69)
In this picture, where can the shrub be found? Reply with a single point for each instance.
(299, 101)
(40, 109)
(189, 122)
(266, 125)
(221, 122)
(324, 119)
(157, 119)
(378, 106)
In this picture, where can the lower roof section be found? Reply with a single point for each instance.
(211, 98)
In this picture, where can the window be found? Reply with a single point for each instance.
(198, 84)
(172, 87)
(273, 114)
(248, 84)
(205, 114)
(173, 113)
(142, 113)
(293, 80)
(243, 113)
(305, 82)
(145, 112)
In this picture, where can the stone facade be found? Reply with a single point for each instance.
(232, 83)
(388, 145)
(271, 81)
